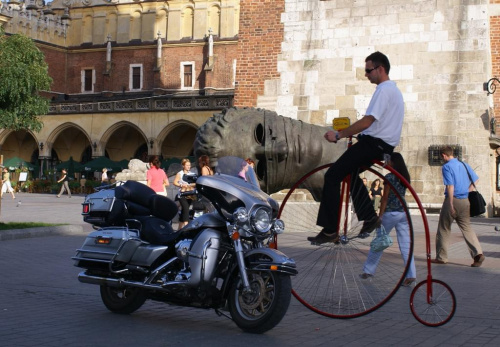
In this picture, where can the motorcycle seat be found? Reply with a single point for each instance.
(156, 230)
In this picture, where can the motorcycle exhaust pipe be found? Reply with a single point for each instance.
(120, 282)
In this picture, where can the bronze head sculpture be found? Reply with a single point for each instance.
(283, 149)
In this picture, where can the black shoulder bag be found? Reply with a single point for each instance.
(476, 200)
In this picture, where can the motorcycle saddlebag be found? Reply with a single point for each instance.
(108, 245)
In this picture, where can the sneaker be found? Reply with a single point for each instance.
(409, 282)
(323, 237)
(478, 260)
(365, 276)
(369, 226)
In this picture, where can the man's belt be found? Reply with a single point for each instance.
(381, 144)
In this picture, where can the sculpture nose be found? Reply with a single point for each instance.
(281, 151)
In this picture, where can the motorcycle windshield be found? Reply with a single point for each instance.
(237, 167)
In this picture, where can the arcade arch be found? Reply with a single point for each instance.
(68, 140)
(178, 139)
(125, 140)
(21, 143)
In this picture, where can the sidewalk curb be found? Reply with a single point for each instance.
(16, 234)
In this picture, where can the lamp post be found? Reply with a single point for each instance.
(490, 87)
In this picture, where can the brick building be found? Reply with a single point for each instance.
(130, 79)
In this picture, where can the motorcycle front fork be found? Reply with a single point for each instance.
(240, 257)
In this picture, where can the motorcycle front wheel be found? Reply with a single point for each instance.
(265, 305)
(122, 300)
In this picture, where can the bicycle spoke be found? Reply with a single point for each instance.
(329, 280)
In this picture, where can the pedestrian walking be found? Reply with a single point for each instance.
(392, 215)
(156, 176)
(6, 185)
(456, 207)
(65, 185)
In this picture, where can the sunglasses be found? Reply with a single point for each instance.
(370, 70)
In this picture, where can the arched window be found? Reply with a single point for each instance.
(135, 26)
(161, 24)
(111, 27)
(187, 23)
(87, 29)
(214, 20)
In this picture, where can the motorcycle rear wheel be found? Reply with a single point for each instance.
(263, 309)
(122, 300)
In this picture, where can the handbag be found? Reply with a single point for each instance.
(381, 241)
(477, 203)
(476, 200)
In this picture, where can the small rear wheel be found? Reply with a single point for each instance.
(263, 308)
(435, 308)
(122, 300)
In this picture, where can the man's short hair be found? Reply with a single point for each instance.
(447, 150)
(379, 59)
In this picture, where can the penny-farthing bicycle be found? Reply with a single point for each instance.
(329, 281)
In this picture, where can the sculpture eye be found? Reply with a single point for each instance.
(259, 134)
(261, 169)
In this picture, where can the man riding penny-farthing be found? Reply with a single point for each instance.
(335, 280)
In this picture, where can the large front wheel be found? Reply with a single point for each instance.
(122, 300)
(265, 305)
(343, 278)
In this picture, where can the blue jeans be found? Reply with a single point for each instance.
(400, 222)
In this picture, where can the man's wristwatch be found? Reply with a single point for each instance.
(337, 136)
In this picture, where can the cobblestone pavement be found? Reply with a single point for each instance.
(43, 304)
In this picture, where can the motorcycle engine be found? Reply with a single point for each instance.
(182, 249)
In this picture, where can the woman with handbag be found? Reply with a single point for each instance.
(184, 187)
(392, 215)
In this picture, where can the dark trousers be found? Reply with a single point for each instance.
(360, 154)
(184, 217)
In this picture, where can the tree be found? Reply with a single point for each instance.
(23, 73)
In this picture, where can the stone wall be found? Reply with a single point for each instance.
(440, 56)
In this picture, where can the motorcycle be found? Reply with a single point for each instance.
(223, 260)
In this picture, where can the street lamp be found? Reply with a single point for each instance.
(491, 86)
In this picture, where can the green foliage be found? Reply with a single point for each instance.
(23, 73)
(74, 185)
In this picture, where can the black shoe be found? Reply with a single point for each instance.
(368, 227)
(323, 237)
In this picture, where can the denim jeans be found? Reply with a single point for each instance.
(399, 221)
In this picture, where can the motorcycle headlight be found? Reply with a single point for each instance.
(279, 226)
(261, 220)
(241, 215)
